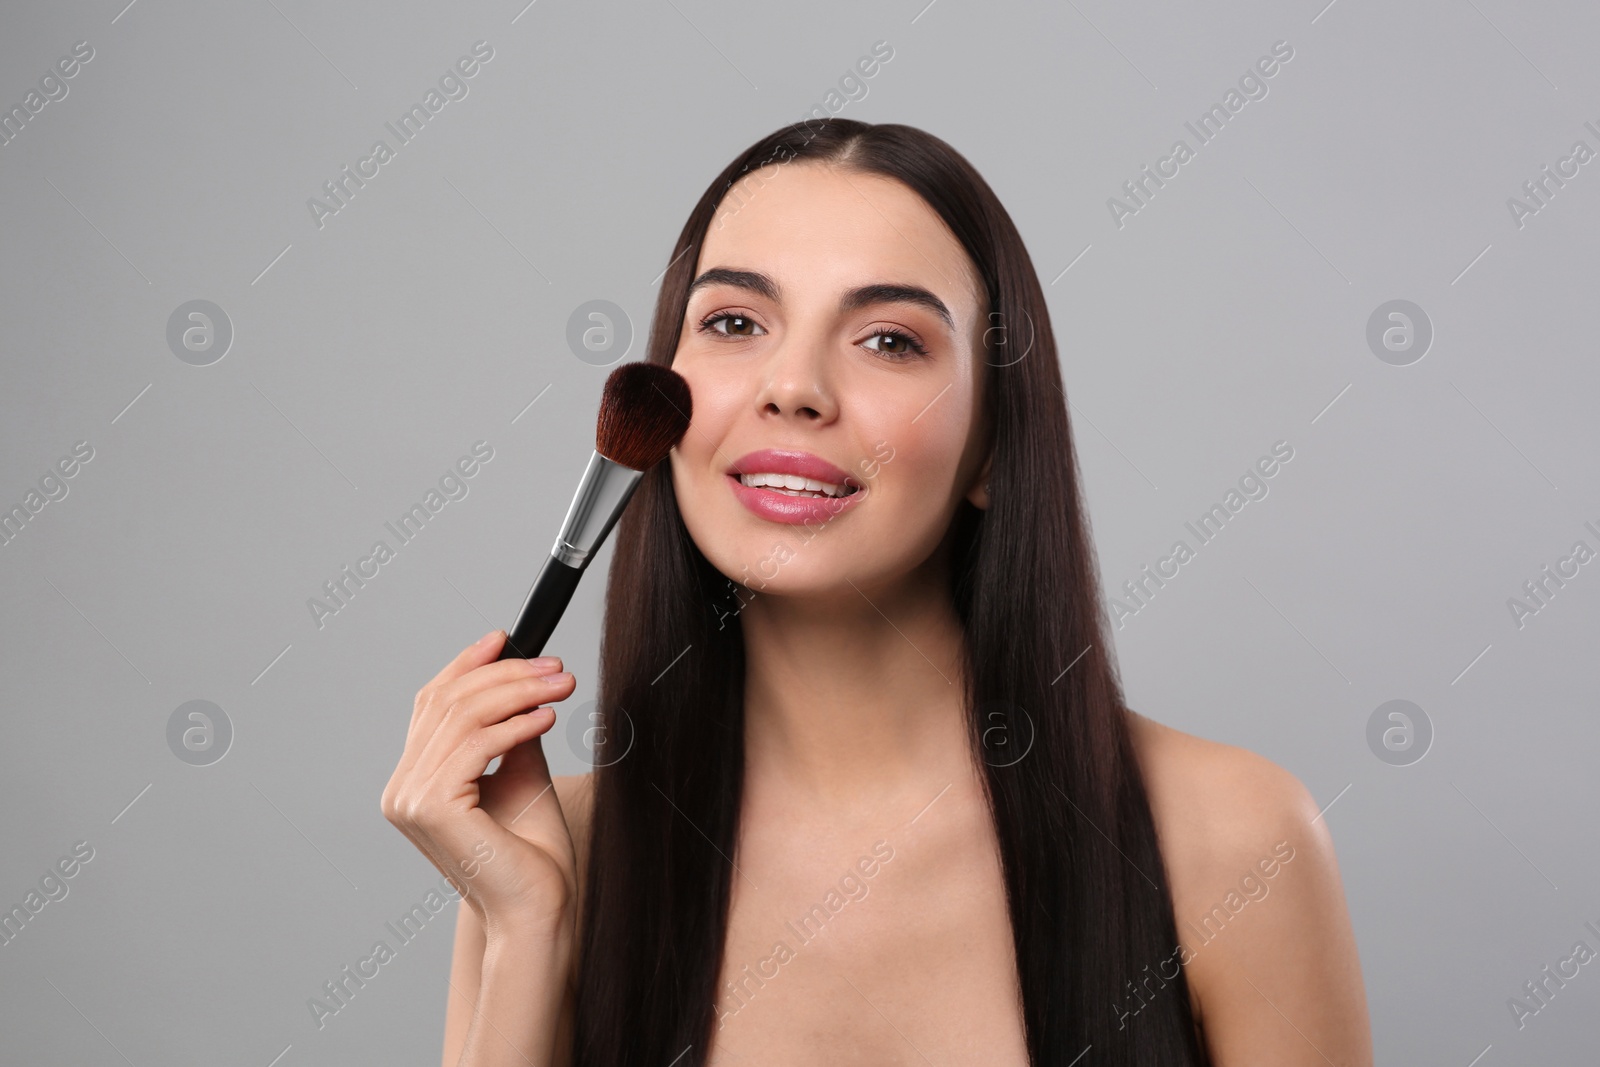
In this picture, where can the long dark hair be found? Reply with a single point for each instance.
(1088, 896)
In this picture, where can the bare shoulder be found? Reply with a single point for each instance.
(1258, 901)
(576, 794)
(1220, 811)
(1212, 799)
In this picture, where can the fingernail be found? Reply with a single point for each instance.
(544, 664)
(558, 679)
(486, 638)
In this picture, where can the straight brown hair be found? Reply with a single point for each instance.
(1086, 889)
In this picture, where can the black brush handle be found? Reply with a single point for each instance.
(547, 600)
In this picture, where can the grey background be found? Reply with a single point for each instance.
(369, 355)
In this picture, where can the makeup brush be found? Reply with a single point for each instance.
(644, 413)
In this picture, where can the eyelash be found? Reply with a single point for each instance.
(916, 346)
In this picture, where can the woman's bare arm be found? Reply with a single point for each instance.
(503, 835)
(1269, 951)
(467, 956)
(466, 975)
(1280, 980)
(524, 1005)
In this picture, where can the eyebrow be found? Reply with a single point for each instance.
(852, 300)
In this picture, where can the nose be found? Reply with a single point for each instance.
(796, 382)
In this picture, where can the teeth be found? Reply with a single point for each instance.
(794, 485)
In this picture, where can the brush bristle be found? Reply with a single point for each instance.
(644, 413)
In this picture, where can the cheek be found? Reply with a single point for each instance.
(919, 450)
(909, 474)
(718, 395)
(704, 453)
(694, 481)
(699, 460)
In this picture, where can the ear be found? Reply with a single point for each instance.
(978, 495)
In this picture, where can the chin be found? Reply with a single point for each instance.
(817, 559)
(782, 560)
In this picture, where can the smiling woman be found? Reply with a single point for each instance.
(929, 667)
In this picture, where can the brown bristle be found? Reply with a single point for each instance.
(644, 413)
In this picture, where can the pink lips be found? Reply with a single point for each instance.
(780, 507)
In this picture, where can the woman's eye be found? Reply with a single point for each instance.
(888, 342)
(895, 343)
(737, 325)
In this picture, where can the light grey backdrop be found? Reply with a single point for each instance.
(371, 347)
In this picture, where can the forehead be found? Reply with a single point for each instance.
(817, 228)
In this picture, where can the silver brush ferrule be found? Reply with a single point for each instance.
(601, 496)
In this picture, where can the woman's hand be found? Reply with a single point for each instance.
(502, 839)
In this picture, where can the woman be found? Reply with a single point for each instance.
(867, 790)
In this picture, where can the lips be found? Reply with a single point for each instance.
(777, 506)
(790, 461)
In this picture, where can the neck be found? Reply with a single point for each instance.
(855, 696)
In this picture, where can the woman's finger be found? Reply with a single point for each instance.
(433, 701)
(449, 686)
(481, 651)
(484, 708)
(479, 654)
(471, 758)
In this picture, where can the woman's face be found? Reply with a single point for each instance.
(816, 328)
